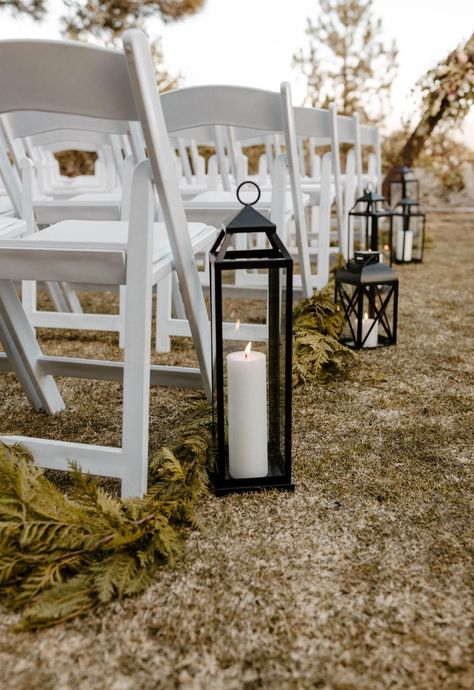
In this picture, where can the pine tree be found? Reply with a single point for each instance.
(106, 19)
(34, 8)
(346, 62)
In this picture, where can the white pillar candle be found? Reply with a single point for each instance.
(247, 414)
(373, 338)
(404, 253)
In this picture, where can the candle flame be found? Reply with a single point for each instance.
(247, 350)
(366, 316)
(386, 248)
(237, 326)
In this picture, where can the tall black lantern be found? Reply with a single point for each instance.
(409, 231)
(252, 384)
(371, 220)
(403, 185)
(367, 292)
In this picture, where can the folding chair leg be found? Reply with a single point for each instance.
(324, 235)
(138, 301)
(122, 301)
(71, 298)
(23, 351)
(164, 293)
(178, 305)
(57, 297)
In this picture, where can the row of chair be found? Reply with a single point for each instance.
(147, 217)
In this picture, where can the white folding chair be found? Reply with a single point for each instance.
(197, 111)
(135, 254)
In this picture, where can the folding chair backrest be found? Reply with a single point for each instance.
(58, 140)
(71, 78)
(370, 136)
(29, 123)
(65, 77)
(255, 110)
(51, 84)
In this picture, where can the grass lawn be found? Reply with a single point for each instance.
(360, 580)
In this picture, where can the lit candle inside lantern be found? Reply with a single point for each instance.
(386, 252)
(247, 413)
(373, 337)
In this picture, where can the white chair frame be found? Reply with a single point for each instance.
(117, 87)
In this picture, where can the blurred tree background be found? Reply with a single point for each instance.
(347, 63)
(445, 94)
(106, 20)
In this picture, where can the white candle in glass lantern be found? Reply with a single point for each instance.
(247, 413)
(404, 253)
(373, 337)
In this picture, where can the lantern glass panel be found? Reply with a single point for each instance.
(370, 227)
(401, 189)
(252, 395)
(409, 234)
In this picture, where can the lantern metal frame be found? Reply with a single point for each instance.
(375, 289)
(402, 188)
(376, 209)
(409, 208)
(276, 259)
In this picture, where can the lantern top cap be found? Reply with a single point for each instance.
(370, 196)
(404, 170)
(366, 268)
(408, 201)
(248, 219)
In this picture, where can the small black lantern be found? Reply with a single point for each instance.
(372, 218)
(409, 231)
(252, 386)
(367, 291)
(403, 185)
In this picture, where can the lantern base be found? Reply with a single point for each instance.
(400, 262)
(276, 478)
(383, 341)
(238, 486)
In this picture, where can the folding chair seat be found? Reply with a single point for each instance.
(118, 87)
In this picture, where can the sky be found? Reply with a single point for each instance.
(251, 42)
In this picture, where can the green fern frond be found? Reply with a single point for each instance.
(58, 604)
(317, 326)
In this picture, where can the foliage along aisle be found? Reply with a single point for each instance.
(61, 555)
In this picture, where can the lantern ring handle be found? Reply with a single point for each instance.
(257, 188)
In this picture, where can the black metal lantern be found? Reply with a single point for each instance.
(371, 219)
(403, 185)
(252, 384)
(409, 231)
(367, 292)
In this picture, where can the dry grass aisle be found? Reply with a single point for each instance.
(358, 581)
